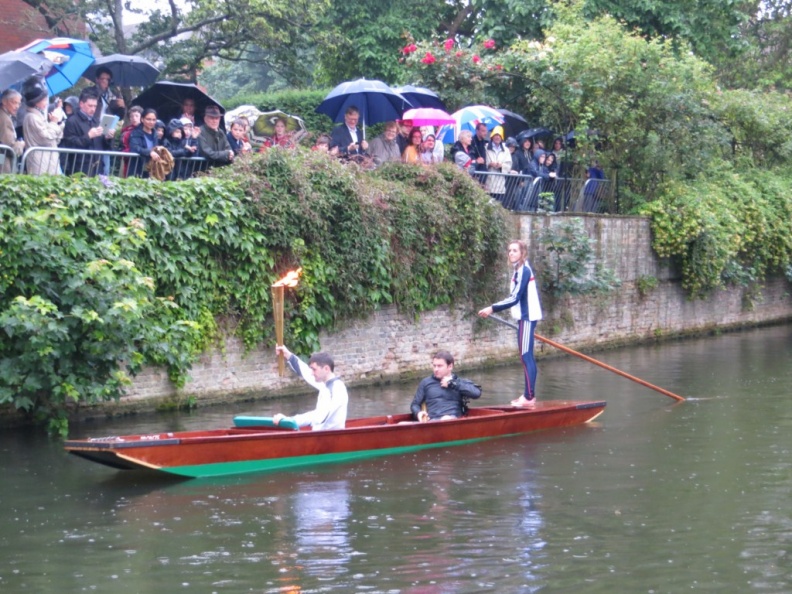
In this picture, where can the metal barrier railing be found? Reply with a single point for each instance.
(524, 193)
(8, 159)
(56, 160)
(516, 192)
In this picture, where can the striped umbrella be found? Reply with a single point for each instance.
(468, 118)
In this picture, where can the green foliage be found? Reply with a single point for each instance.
(645, 285)
(568, 263)
(76, 311)
(725, 227)
(636, 95)
(759, 125)
(625, 96)
(100, 279)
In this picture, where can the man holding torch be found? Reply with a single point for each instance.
(331, 403)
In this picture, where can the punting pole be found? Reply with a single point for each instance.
(561, 347)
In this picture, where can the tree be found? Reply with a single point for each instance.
(182, 38)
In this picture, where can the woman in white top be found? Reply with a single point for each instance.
(41, 128)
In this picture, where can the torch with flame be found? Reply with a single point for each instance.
(290, 280)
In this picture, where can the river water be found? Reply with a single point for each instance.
(653, 497)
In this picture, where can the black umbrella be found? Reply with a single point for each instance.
(167, 98)
(16, 66)
(420, 97)
(513, 122)
(128, 71)
(534, 133)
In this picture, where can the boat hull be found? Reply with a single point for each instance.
(230, 451)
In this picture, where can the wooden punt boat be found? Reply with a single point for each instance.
(237, 450)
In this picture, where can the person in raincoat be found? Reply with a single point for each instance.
(499, 163)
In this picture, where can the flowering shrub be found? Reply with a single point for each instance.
(462, 77)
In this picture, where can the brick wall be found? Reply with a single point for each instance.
(19, 25)
(389, 346)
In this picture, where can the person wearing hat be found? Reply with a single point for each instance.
(41, 128)
(213, 143)
(499, 162)
(9, 106)
(159, 128)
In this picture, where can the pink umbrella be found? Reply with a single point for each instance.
(428, 116)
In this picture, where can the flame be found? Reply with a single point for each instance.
(290, 280)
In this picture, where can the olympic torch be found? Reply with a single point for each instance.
(278, 288)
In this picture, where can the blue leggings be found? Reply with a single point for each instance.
(525, 342)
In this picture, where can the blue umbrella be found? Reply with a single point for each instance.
(420, 97)
(468, 118)
(375, 100)
(70, 58)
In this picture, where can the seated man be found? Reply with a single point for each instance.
(331, 404)
(442, 392)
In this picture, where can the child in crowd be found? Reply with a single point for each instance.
(237, 139)
(176, 143)
(160, 128)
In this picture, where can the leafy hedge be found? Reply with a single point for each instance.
(98, 279)
(725, 227)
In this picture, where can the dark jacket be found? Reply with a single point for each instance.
(141, 143)
(522, 162)
(236, 145)
(75, 136)
(213, 146)
(478, 148)
(176, 147)
(341, 138)
(443, 401)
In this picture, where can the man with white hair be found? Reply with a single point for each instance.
(9, 106)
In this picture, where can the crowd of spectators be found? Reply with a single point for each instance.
(169, 150)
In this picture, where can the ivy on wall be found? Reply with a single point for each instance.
(725, 227)
(99, 278)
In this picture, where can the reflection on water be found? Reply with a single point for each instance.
(653, 497)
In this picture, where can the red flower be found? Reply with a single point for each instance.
(498, 67)
(408, 49)
(448, 44)
(459, 54)
(489, 44)
(428, 58)
(476, 59)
